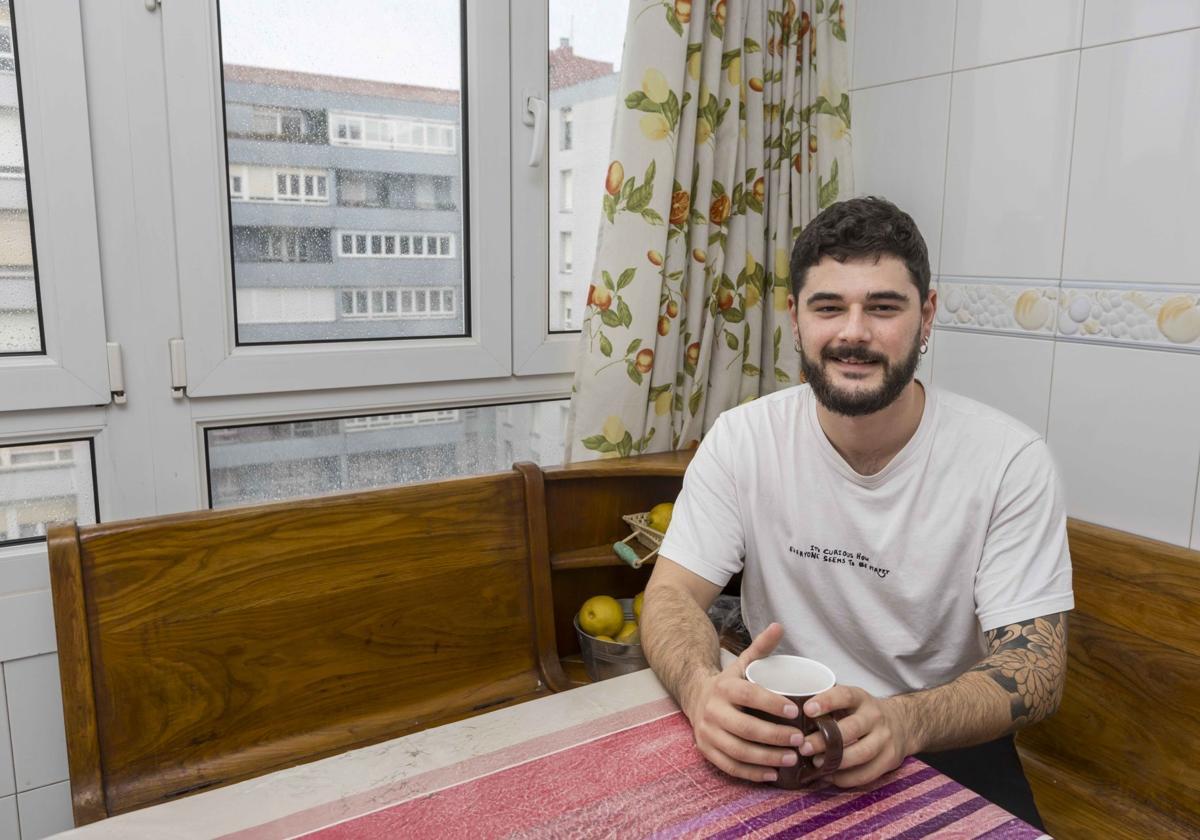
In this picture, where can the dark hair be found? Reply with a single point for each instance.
(858, 229)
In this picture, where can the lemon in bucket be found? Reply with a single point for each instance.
(601, 616)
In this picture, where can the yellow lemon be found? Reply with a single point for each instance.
(654, 126)
(660, 516)
(629, 634)
(613, 429)
(637, 605)
(609, 639)
(693, 65)
(654, 85)
(601, 616)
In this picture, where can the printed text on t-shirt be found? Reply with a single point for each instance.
(840, 557)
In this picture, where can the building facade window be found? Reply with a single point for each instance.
(565, 126)
(436, 302)
(396, 421)
(267, 183)
(395, 245)
(282, 123)
(566, 190)
(395, 133)
(566, 252)
(8, 61)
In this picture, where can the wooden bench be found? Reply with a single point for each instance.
(204, 648)
(1121, 758)
(207, 647)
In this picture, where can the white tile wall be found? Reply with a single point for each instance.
(45, 811)
(989, 31)
(1006, 178)
(25, 569)
(26, 625)
(35, 714)
(897, 41)
(1136, 169)
(8, 782)
(1007, 372)
(1077, 166)
(1123, 427)
(8, 818)
(1118, 20)
(900, 149)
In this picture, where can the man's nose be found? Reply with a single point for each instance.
(855, 329)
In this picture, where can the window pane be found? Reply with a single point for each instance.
(380, 90)
(248, 464)
(45, 482)
(583, 87)
(20, 314)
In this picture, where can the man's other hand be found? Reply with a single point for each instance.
(739, 743)
(875, 734)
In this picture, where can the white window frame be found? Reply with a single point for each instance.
(72, 370)
(366, 238)
(536, 350)
(215, 365)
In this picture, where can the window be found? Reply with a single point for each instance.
(237, 183)
(308, 186)
(566, 120)
(568, 318)
(413, 303)
(276, 123)
(393, 244)
(286, 306)
(378, 450)
(566, 251)
(7, 59)
(45, 482)
(566, 190)
(391, 132)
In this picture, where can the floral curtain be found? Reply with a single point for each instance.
(732, 131)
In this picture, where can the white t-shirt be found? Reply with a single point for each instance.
(889, 579)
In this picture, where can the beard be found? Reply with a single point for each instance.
(860, 402)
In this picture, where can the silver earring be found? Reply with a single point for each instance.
(924, 345)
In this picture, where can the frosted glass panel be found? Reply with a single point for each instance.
(586, 39)
(20, 314)
(45, 482)
(311, 458)
(345, 155)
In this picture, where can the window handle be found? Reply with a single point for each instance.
(535, 115)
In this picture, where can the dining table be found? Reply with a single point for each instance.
(613, 758)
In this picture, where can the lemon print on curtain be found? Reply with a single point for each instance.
(732, 130)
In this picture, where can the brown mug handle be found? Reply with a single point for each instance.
(833, 743)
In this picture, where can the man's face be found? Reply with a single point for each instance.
(859, 326)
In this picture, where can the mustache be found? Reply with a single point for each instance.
(858, 354)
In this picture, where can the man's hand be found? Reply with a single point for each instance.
(733, 740)
(876, 734)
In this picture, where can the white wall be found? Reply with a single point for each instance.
(1050, 153)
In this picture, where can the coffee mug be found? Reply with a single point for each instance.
(799, 680)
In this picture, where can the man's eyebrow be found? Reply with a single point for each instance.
(889, 295)
(818, 297)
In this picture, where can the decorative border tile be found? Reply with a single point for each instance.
(1161, 317)
(1155, 316)
(982, 304)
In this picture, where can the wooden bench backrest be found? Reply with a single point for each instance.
(1128, 730)
(207, 647)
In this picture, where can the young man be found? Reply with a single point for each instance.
(911, 539)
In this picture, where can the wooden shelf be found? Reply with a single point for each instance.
(575, 670)
(595, 556)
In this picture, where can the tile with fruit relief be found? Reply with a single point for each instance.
(1152, 316)
(994, 305)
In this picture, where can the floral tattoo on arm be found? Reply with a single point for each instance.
(1029, 660)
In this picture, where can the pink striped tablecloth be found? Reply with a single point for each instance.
(637, 774)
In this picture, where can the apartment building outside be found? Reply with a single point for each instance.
(346, 207)
(582, 98)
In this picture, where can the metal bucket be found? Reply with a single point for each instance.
(610, 659)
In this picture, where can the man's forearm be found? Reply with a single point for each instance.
(1019, 683)
(679, 641)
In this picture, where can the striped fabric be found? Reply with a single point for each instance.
(647, 780)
